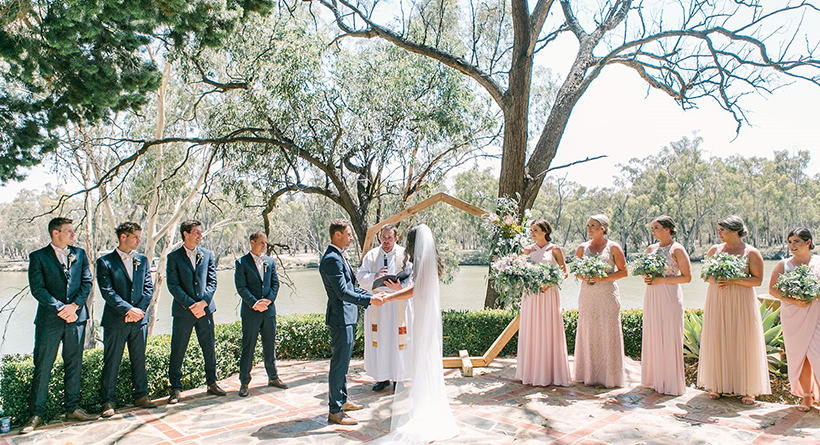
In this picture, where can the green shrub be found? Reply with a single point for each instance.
(476, 331)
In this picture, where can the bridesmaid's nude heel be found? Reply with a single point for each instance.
(714, 395)
(747, 400)
(805, 407)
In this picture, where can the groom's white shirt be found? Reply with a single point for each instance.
(385, 362)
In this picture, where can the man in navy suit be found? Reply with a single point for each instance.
(342, 297)
(257, 284)
(60, 280)
(124, 279)
(192, 282)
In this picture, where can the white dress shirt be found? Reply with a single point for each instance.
(191, 256)
(127, 261)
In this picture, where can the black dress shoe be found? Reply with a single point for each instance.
(277, 383)
(32, 424)
(215, 390)
(144, 402)
(381, 385)
(108, 409)
(174, 397)
(79, 414)
(243, 391)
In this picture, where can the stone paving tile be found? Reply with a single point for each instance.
(489, 408)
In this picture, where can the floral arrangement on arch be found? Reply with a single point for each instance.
(508, 234)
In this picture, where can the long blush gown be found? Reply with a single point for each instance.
(801, 333)
(732, 348)
(599, 341)
(662, 344)
(542, 344)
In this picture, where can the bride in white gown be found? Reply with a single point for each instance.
(421, 412)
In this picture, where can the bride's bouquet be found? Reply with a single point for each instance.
(723, 266)
(650, 264)
(513, 275)
(801, 284)
(589, 267)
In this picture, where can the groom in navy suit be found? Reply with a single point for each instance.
(124, 279)
(192, 282)
(343, 295)
(257, 283)
(60, 280)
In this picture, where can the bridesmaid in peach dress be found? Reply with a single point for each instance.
(801, 322)
(662, 348)
(542, 344)
(599, 341)
(732, 349)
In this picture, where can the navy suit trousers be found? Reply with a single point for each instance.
(134, 335)
(341, 347)
(180, 335)
(47, 338)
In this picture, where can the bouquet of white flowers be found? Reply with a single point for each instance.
(650, 264)
(513, 275)
(723, 266)
(589, 267)
(801, 284)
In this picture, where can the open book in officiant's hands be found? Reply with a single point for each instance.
(379, 282)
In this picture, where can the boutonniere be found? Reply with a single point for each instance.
(198, 257)
(264, 266)
(71, 258)
(137, 262)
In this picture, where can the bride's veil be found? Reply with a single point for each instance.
(421, 412)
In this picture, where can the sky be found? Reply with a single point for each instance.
(620, 117)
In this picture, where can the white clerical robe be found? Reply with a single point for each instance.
(385, 360)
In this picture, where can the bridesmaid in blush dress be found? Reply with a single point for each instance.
(801, 322)
(732, 348)
(662, 344)
(599, 341)
(542, 344)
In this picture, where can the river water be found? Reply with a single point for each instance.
(307, 295)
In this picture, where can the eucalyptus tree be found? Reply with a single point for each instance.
(372, 128)
(692, 50)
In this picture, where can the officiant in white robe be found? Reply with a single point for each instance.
(387, 327)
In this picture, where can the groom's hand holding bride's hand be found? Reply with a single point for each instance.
(378, 299)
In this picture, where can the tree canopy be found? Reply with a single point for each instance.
(77, 62)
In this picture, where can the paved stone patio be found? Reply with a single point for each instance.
(491, 408)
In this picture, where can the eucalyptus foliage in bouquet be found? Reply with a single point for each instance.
(723, 266)
(509, 236)
(513, 275)
(801, 284)
(589, 267)
(650, 264)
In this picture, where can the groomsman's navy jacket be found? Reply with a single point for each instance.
(189, 285)
(252, 288)
(120, 292)
(53, 288)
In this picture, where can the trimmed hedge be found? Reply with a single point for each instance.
(301, 336)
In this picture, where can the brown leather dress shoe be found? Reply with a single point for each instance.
(215, 390)
(341, 418)
(108, 409)
(79, 414)
(277, 383)
(144, 402)
(173, 398)
(32, 424)
(350, 406)
(243, 391)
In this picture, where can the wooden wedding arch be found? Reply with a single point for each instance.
(463, 361)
